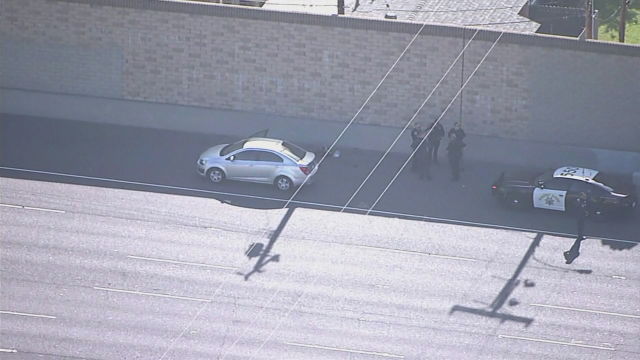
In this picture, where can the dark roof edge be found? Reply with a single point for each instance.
(251, 13)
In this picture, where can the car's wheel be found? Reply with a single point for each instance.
(215, 175)
(283, 183)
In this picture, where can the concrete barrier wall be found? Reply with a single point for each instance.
(529, 87)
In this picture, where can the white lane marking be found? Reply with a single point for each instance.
(555, 342)
(618, 277)
(182, 262)
(586, 310)
(452, 221)
(346, 350)
(43, 209)
(415, 253)
(9, 350)
(11, 206)
(33, 208)
(152, 294)
(26, 314)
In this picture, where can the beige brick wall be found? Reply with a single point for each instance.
(529, 87)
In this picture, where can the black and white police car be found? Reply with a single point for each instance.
(559, 189)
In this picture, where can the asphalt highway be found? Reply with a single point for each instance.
(97, 273)
(123, 156)
(113, 248)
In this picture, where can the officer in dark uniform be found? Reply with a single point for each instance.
(417, 134)
(422, 156)
(457, 131)
(454, 149)
(583, 212)
(433, 141)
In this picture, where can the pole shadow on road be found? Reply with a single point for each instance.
(505, 293)
(264, 253)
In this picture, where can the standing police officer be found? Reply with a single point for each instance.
(454, 149)
(416, 137)
(433, 140)
(583, 212)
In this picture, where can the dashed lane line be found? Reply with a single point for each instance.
(182, 262)
(555, 342)
(11, 206)
(586, 310)
(346, 350)
(415, 253)
(8, 350)
(32, 208)
(152, 294)
(26, 314)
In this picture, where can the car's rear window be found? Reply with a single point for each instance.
(232, 147)
(293, 150)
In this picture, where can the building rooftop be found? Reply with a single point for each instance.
(321, 7)
(489, 14)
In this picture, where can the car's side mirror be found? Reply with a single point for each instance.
(231, 158)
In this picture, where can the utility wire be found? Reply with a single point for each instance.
(357, 113)
(397, 173)
(370, 209)
(434, 124)
(329, 150)
(288, 202)
(375, 167)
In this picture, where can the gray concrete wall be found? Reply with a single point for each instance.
(530, 87)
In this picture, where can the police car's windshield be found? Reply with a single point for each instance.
(606, 182)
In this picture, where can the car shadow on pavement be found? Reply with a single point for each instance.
(505, 293)
(619, 245)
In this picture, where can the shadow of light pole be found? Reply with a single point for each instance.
(264, 255)
(506, 291)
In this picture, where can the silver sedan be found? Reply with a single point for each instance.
(258, 160)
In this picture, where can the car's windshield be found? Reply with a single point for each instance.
(293, 150)
(232, 147)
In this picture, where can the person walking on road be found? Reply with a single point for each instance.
(433, 141)
(454, 149)
(583, 212)
(417, 134)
